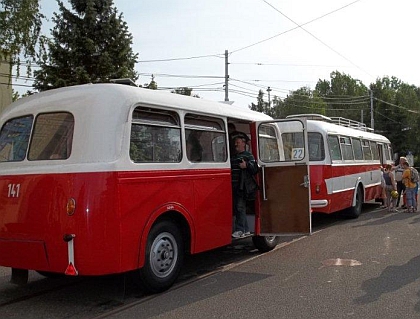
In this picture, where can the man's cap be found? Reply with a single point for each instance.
(240, 135)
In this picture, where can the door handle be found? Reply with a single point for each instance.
(305, 181)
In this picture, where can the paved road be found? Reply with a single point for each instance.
(364, 268)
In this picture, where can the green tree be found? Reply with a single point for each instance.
(90, 44)
(303, 101)
(261, 106)
(344, 96)
(20, 37)
(397, 113)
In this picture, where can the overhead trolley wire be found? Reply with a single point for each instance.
(316, 38)
(398, 106)
(297, 25)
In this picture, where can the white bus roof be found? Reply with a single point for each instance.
(111, 97)
(102, 113)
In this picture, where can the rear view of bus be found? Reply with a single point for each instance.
(31, 202)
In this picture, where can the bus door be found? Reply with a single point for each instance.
(283, 204)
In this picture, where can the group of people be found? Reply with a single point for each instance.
(396, 183)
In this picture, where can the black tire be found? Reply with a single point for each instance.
(164, 257)
(265, 243)
(356, 210)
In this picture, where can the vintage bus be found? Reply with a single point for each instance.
(100, 179)
(345, 163)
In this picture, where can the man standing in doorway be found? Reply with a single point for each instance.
(242, 162)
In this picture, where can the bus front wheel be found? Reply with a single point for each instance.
(265, 243)
(164, 257)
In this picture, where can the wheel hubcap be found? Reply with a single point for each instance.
(163, 255)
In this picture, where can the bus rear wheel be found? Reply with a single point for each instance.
(164, 257)
(265, 243)
(356, 210)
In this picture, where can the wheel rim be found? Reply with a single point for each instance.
(163, 255)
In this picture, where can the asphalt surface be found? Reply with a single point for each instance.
(364, 268)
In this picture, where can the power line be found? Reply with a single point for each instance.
(285, 64)
(316, 38)
(184, 58)
(183, 76)
(297, 27)
(398, 106)
(14, 84)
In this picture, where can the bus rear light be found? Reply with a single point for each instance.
(71, 206)
(317, 188)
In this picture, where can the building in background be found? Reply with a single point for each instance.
(5, 85)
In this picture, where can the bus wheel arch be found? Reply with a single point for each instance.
(355, 210)
(166, 245)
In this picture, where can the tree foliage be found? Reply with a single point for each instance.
(90, 44)
(185, 91)
(20, 36)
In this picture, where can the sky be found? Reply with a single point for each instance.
(281, 44)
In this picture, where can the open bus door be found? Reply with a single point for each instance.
(283, 205)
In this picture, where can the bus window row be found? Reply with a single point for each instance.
(344, 148)
(156, 136)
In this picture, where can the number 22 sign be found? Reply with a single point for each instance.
(298, 153)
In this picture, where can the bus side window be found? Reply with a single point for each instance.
(357, 148)
(155, 136)
(366, 150)
(346, 148)
(375, 151)
(205, 138)
(316, 147)
(334, 147)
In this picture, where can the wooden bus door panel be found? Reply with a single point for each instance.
(286, 208)
(283, 204)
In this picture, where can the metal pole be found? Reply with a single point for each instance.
(226, 76)
(269, 100)
(372, 121)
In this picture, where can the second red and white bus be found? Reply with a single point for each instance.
(345, 163)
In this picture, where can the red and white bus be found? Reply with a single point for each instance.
(345, 163)
(99, 179)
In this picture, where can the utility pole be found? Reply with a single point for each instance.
(226, 76)
(372, 121)
(269, 100)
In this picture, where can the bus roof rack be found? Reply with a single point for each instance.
(335, 120)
